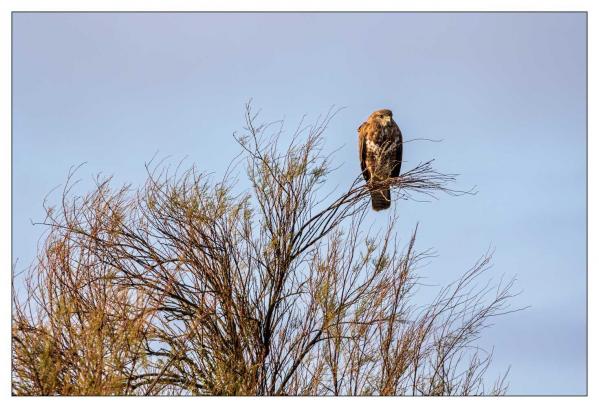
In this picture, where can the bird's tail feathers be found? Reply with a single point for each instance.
(381, 199)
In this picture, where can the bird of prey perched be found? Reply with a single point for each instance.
(380, 147)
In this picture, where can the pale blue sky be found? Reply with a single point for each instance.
(506, 92)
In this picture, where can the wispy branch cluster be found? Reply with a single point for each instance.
(185, 287)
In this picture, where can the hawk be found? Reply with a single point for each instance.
(380, 147)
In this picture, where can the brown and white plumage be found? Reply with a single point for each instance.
(380, 146)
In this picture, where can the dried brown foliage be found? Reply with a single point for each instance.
(185, 287)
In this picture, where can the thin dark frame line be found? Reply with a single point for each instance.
(301, 12)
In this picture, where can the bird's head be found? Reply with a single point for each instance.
(382, 117)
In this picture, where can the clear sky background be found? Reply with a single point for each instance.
(506, 93)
